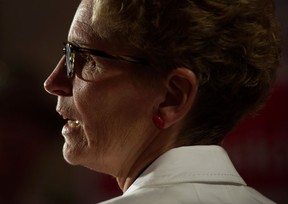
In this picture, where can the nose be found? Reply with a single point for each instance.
(57, 83)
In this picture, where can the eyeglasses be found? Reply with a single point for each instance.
(70, 50)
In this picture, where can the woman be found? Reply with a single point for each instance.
(149, 89)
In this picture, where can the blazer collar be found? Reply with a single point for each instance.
(190, 164)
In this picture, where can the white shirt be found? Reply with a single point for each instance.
(191, 175)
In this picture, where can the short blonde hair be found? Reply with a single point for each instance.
(232, 46)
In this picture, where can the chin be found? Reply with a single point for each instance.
(72, 155)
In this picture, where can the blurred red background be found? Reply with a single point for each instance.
(32, 167)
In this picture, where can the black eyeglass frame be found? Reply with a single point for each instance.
(70, 49)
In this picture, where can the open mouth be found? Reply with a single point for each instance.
(73, 123)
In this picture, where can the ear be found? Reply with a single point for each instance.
(181, 89)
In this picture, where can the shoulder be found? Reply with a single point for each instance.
(187, 193)
(156, 195)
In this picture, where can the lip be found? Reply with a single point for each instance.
(65, 115)
(72, 125)
(69, 130)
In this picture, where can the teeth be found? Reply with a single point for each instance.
(73, 123)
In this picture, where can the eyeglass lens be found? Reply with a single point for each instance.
(70, 58)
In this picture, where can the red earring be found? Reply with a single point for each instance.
(158, 121)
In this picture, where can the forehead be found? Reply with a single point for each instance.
(94, 33)
(85, 9)
(81, 28)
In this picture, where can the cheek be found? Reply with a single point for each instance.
(107, 103)
(89, 105)
(112, 116)
(98, 111)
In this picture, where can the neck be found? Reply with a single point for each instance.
(125, 182)
(161, 144)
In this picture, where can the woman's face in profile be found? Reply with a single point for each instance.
(110, 116)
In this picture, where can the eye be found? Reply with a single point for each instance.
(90, 68)
(88, 59)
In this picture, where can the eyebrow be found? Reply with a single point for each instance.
(104, 54)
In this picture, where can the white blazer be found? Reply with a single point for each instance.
(191, 175)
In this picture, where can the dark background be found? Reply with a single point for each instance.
(32, 167)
